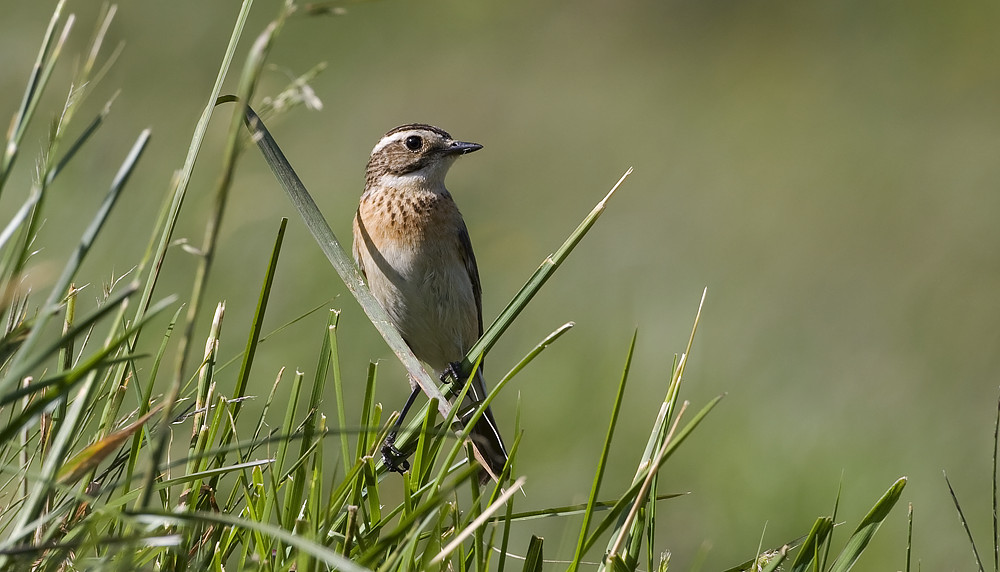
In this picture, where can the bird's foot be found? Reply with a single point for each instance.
(452, 373)
(393, 458)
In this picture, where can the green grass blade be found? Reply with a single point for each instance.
(570, 510)
(810, 551)
(909, 537)
(252, 68)
(40, 74)
(53, 348)
(20, 216)
(868, 527)
(602, 462)
(77, 144)
(257, 324)
(368, 421)
(536, 281)
(996, 525)
(665, 453)
(61, 285)
(338, 387)
(534, 559)
(318, 551)
(157, 250)
(337, 256)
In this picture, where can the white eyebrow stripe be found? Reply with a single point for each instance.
(399, 136)
(383, 142)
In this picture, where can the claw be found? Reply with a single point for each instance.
(393, 458)
(452, 372)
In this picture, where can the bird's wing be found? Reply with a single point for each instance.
(469, 257)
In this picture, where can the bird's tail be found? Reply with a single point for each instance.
(487, 443)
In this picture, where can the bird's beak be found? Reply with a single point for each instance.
(461, 148)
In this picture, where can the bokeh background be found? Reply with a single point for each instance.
(827, 170)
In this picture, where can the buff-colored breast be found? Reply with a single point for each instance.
(408, 246)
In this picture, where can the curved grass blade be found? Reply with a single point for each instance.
(535, 282)
(868, 527)
(810, 552)
(336, 254)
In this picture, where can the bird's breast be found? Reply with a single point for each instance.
(409, 247)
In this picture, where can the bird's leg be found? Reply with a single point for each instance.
(393, 458)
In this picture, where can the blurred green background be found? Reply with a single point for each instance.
(827, 170)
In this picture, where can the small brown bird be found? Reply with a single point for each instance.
(413, 248)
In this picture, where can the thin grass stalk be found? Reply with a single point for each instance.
(256, 326)
(17, 221)
(996, 525)
(310, 437)
(909, 537)
(629, 496)
(836, 508)
(287, 429)
(965, 523)
(248, 82)
(628, 528)
(426, 453)
(536, 281)
(82, 83)
(479, 521)
(602, 461)
(505, 536)
(369, 420)
(572, 510)
(40, 73)
(30, 230)
(205, 394)
(673, 389)
(156, 251)
(338, 387)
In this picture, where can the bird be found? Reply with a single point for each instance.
(413, 248)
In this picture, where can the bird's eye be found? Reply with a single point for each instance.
(413, 143)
